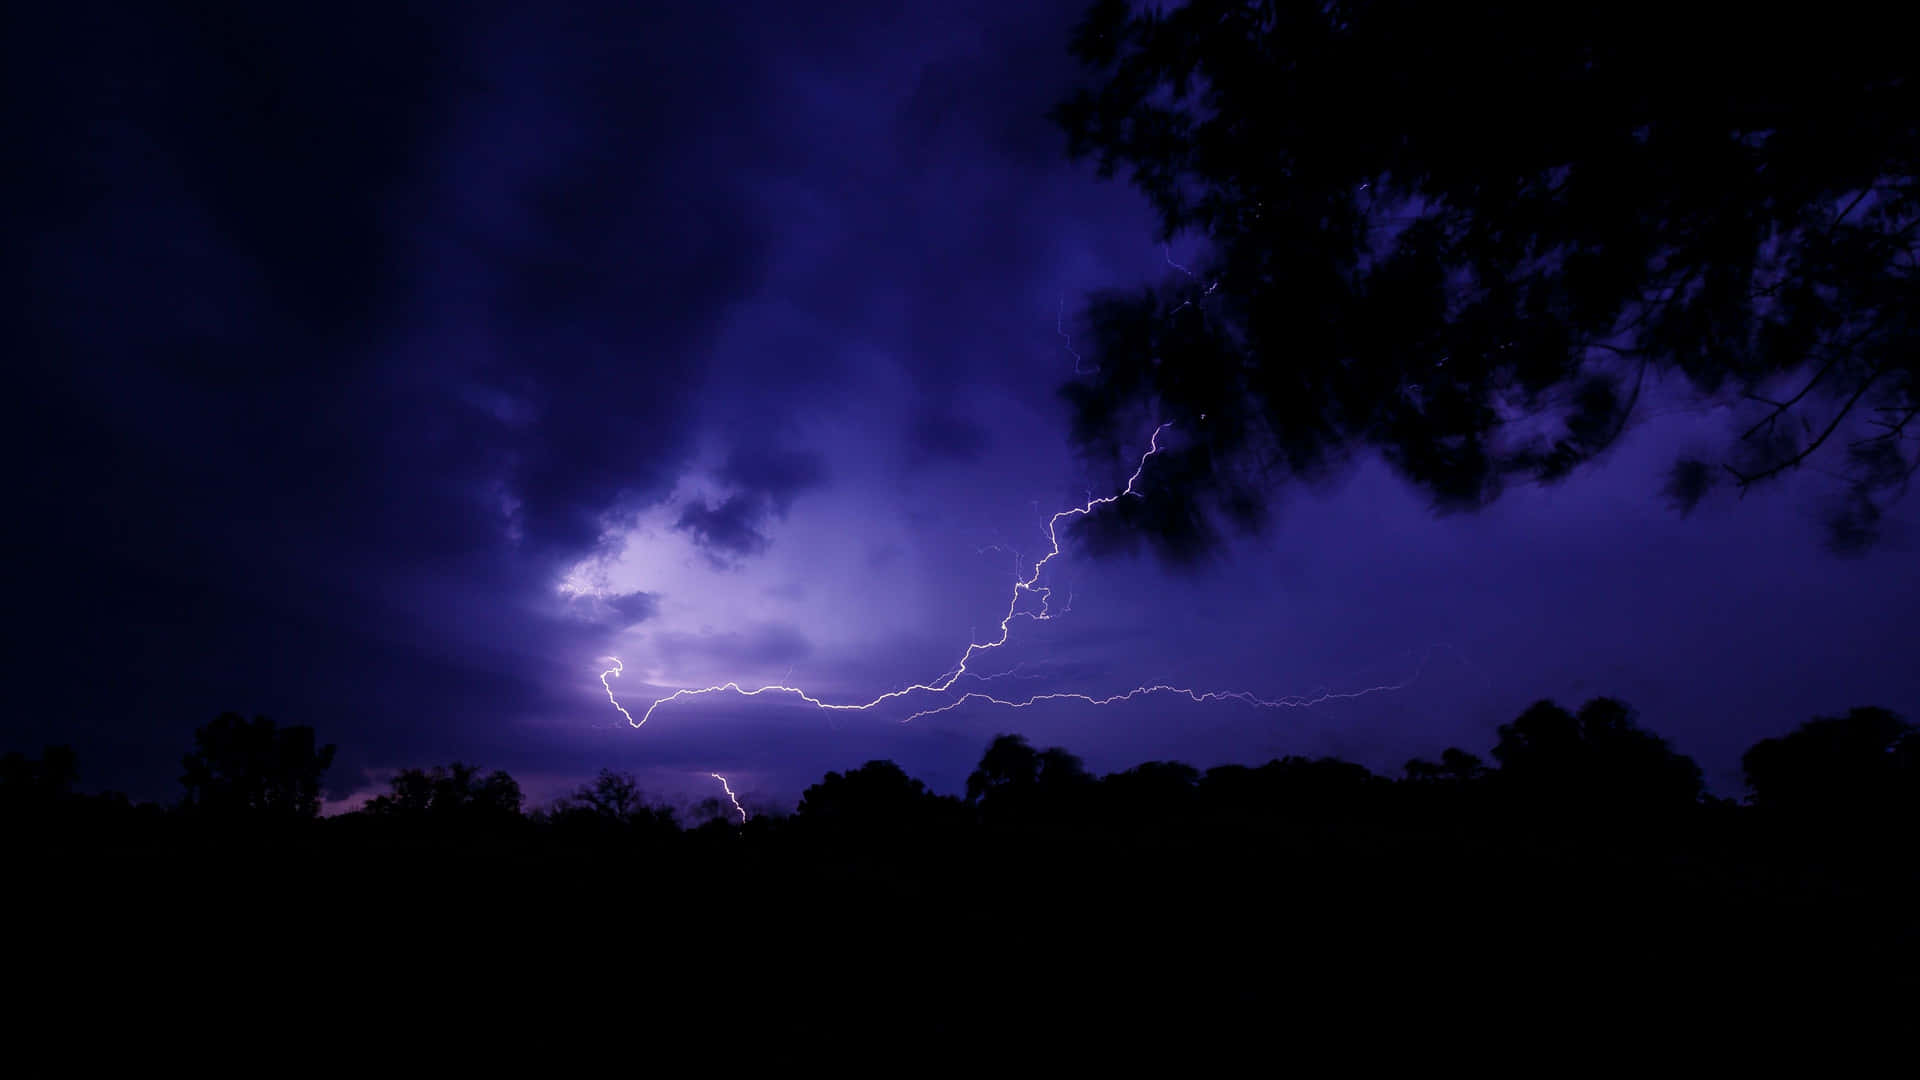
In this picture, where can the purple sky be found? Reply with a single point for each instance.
(357, 350)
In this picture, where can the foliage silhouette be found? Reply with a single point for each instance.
(49, 778)
(252, 768)
(1009, 765)
(1863, 764)
(876, 803)
(1468, 236)
(1599, 761)
(613, 803)
(1154, 791)
(1016, 785)
(1584, 856)
(612, 794)
(1455, 766)
(452, 793)
(1321, 788)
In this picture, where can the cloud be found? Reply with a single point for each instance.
(765, 483)
(939, 435)
(362, 438)
(616, 612)
(764, 646)
(777, 475)
(727, 531)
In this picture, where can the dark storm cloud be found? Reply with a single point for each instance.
(616, 612)
(634, 606)
(345, 333)
(765, 482)
(1017, 52)
(729, 530)
(774, 474)
(329, 377)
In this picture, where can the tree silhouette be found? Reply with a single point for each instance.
(254, 768)
(50, 777)
(611, 795)
(1016, 783)
(1455, 766)
(452, 793)
(1159, 792)
(38, 790)
(877, 800)
(1867, 761)
(1009, 765)
(1585, 850)
(1599, 760)
(611, 808)
(1468, 235)
(1323, 788)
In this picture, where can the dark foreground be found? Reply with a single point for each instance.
(1182, 928)
(1586, 886)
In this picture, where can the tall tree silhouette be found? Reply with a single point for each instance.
(1468, 234)
(253, 767)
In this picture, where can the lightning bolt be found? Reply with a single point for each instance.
(615, 671)
(1167, 249)
(1199, 696)
(1021, 586)
(731, 797)
(1028, 584)
(1060, 327)
(1011, 673)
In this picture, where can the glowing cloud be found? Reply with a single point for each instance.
(1022, 586)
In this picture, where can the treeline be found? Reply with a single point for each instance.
(1591, 771)
(1581, 860)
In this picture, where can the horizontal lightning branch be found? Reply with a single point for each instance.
(1011, 673)
(1292, 701)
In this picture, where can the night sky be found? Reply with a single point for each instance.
(384, 376)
